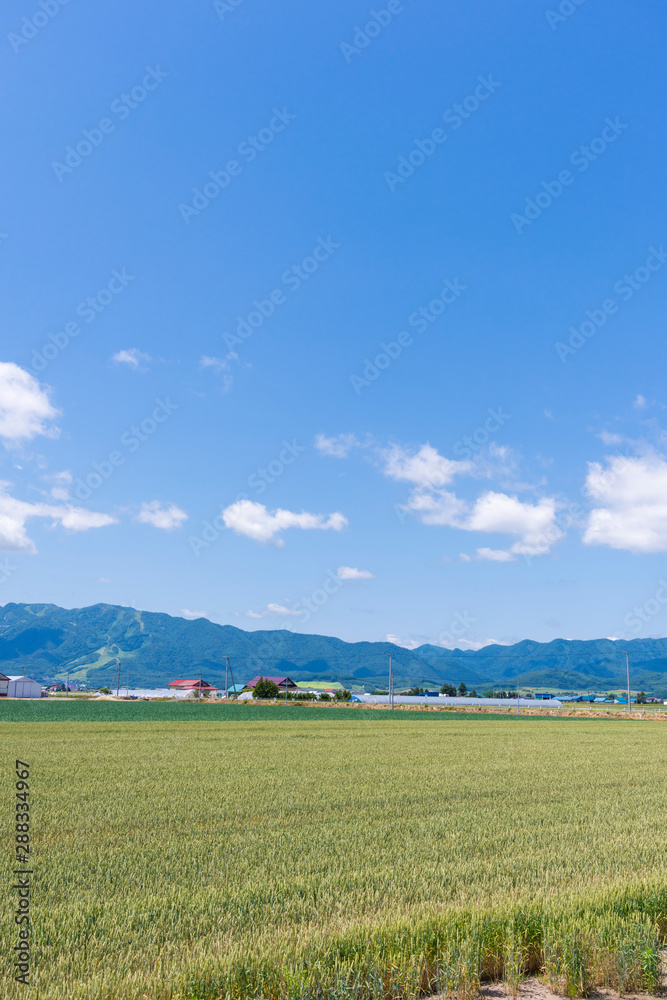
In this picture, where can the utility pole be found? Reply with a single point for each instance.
(118, 682)
(231, 674)
(199, 696)
(391, 685)
(518, 706)
(627, 664)
(67, 688)
(227, 678)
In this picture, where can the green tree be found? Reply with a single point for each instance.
(325, 696)
(264, 688)
(462, 690)
(448, 689)
(342, 695)
(641, 698)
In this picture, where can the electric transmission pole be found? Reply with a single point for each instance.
(391, 685)
(627, 664)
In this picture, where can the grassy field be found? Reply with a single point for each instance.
(339, 856)
(84, 710)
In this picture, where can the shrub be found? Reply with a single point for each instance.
(264, 688)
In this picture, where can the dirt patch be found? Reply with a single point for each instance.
(533, 989)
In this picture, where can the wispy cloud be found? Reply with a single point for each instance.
(133, 358)
(164, 516)
(352, 573)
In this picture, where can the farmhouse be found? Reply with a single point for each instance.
(284, 683)
(192, 685)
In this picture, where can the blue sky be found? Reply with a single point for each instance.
(343, 319)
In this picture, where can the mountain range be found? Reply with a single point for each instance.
(45, 641)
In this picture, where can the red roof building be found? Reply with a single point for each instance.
(192, 685)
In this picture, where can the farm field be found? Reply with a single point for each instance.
(336, 856)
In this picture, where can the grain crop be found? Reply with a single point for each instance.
(335, 857)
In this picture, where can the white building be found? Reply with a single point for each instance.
(23, 687)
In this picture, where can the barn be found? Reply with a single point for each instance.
(19, 686)
(186, 686)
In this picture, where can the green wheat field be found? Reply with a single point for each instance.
(337, 857)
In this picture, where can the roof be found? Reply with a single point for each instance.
(276, 680)
(21, 677)
(192, 684)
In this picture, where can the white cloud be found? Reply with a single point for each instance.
(191, 615)
(632, 503)
(338, 446)
(60, 491)
(610, 439)
(104, 579)
(25, 407)
(424, 468)
(163, 516)
(132, 357)
(219, 366)
(491, 555)
(639, 403)
(441, 507)
(273, 611)
(14, 514)
(534, 525)
(352, 573)
(252, 519)
(405, 643)
(80, 519)
(460, 643)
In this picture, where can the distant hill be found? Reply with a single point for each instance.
(44, 641)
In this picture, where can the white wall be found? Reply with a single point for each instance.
(23, 687)
(442, 702)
